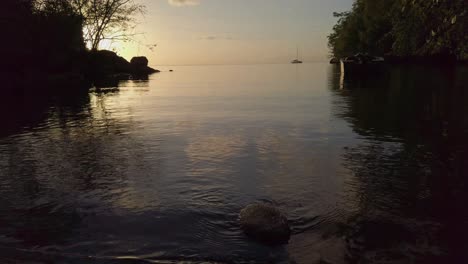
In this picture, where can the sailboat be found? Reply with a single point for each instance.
(296, 60)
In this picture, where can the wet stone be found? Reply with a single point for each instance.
(265, 223)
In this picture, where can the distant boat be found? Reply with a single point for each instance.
(296, 60)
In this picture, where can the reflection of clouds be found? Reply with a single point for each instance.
(201, 164)
(297, 157)
(272, 146)
(211, 150)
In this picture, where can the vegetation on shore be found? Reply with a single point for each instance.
(59, 39)
(110, 20)
(402, 28)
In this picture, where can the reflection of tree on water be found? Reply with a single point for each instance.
(114, 81)
(26, 201)
(28, 107)
(56, 170)
(409, 181)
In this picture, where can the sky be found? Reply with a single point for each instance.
(194, 32)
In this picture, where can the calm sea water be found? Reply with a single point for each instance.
(368, 170)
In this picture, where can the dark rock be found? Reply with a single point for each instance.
(140, 77)
(140, 66)
(148, 70)
(140, 62)
(265, 224)
(436, 59)
(122, 76)
(106, 82)
(105, 62)
(105, 65)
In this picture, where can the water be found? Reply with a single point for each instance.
(368, 170)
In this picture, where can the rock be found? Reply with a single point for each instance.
(140, 62)
(140, 66)
(265, 224)
(105, 64)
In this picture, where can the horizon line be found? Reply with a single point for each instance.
(234, 64)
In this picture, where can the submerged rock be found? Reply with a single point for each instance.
(265, 224)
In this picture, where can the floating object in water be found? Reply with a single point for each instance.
(265, 224)
(296, 60)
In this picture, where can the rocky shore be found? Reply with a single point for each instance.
(87, 69)
(103, 68)
(104, 62)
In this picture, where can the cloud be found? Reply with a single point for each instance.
(214, 37)
(184, 2)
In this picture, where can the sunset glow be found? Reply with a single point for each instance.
(233, 32)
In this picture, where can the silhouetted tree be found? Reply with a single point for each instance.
(107, 19)
(102, 19)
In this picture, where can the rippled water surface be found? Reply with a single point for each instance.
(370, 170)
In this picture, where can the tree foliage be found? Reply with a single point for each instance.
(402, 28)
(102, 19)
(34, 28)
